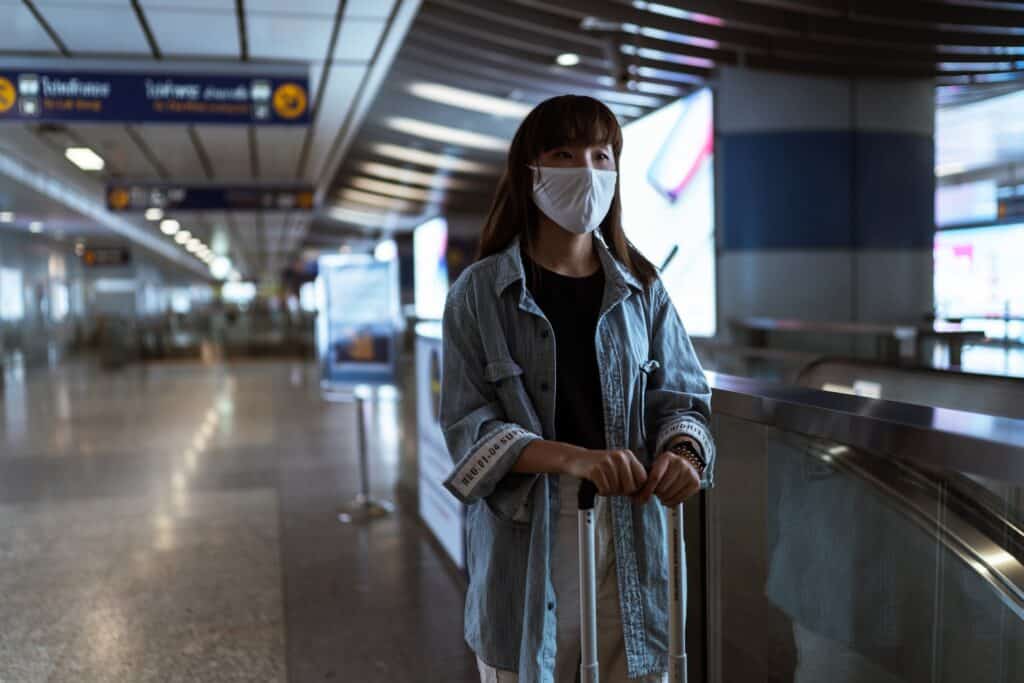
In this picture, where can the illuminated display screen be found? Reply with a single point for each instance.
(430, 268)
(978, 272)
(666, 176)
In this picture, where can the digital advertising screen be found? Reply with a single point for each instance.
(978, 272)
(430, 268)
(666, 176)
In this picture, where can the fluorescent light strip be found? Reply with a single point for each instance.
(410, 177)
(442, 161)
(395, 189)
(84, 158)
(467, 99)
(372, 199)
(446, 134)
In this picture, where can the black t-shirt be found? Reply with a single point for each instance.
(572, 305)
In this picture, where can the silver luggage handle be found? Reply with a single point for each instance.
(588, 584)
(677, 668)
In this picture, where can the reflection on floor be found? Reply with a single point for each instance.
(177, 522)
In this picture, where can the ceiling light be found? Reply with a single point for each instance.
(220, 267)
(370, 218)
(424, 158)
(467, 99)
(168, 226)
(182, 237)
(84, 158)
(235, 276)
(6, 216)
(371, 199)
(446, 134)
(154, 214)
(411, 177)
(193, 245)
(35, 226)
(395, 189)
(386, 250)
(568, 59)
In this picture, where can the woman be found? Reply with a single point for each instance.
(625, 406)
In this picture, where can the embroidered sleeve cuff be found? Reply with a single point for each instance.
(490, 459)
(699, 432)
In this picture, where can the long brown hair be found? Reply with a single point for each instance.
(557, 122)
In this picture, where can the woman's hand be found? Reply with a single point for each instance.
(672, 479)
(614, 472)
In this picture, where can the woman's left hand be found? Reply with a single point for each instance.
(672, 479)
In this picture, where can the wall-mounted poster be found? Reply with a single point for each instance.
(666, 176)
(441, 511)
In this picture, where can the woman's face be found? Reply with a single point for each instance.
(579, 156)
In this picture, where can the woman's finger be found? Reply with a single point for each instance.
(653, 478)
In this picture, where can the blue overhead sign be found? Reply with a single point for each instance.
(139, 197)
(117, 97)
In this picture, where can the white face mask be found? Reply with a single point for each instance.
(576, 198)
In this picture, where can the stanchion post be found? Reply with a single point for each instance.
(365, 507)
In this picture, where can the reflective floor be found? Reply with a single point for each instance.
(177, 522)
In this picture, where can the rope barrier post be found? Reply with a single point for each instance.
(365, 507)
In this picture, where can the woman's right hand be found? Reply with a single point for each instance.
(614, 472)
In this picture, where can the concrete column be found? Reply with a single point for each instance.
(825, 197)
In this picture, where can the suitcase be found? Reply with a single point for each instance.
(588, 590)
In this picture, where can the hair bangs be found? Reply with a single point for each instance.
(572, 120)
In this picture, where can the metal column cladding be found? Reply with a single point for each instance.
(136, 97)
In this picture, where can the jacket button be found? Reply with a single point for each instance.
(551, 605)
(544, 387)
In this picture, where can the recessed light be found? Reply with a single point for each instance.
(424, 158)
(220, 267)
(154, 214)
(446, 134)
(6, 216)
(395, 189)
(370, 199)
(169, 226)
(568, 59)
(410, 177)
(467, 99)
(84, 158)
(35, 226)
(193, 245)
(386, 250)
(182, 237)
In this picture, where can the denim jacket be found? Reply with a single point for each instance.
(498, 395)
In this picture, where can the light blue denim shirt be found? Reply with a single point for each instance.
(498, 395)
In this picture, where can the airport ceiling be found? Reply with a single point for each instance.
(396, 139)
(635, 56)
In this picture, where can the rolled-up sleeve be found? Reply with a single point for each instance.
(678, 396)
(481, 441)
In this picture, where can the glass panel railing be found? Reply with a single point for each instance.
(830, 560)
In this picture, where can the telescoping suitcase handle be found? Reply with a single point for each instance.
(589, 673)
(588, 584)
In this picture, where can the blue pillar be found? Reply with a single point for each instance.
(825, 197)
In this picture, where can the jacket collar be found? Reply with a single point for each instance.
(510, 267)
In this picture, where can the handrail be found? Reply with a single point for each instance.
(931, 437)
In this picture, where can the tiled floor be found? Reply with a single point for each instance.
(177, 522)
